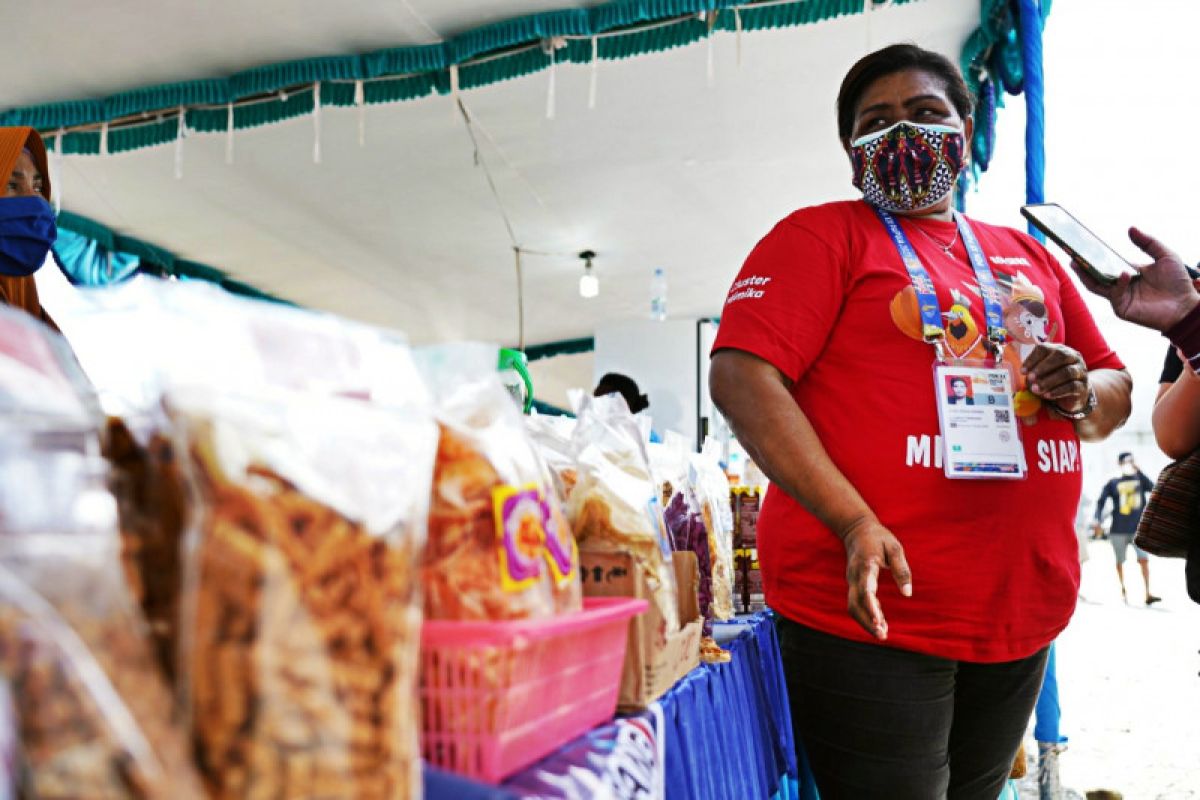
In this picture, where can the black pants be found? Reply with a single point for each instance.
(877, 722)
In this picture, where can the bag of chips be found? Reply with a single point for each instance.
(711, 490)
(615, 506)
(499, 544)
(94, 717)
(302, 594)
(552, 437)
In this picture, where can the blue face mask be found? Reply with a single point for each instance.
(27, 230)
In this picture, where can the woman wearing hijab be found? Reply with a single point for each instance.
(27, 227)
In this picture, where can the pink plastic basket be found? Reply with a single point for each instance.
(498, 696)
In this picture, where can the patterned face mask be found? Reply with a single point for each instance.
(908, 167)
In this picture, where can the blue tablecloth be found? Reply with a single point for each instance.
(728, 732)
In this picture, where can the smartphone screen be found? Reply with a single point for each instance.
(1100, 259)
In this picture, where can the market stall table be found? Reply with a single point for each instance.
(726, 729)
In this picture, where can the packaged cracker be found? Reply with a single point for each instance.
(710, 487)
(499, 544)
(302, 595)
(307, 447)
(615, 506)
(94, 716)
(552, 437)
(187, 334)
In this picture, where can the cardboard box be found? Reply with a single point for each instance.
(654, 657)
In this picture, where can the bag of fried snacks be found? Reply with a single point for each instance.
(710, 487)
(187, 334)
(93, 714)
(552, 437)
(304, 613)
(499, 544)
(615, 506)
(299, 608)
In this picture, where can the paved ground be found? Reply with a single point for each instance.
(1129, 679)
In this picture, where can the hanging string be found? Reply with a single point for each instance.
(512, 235)
(57, 180)
(317, 122)
(550, 90)
(180, 132)
(737, 25)
(520, 301)
(229, 132)
(595, 73)
(104, 138)
(711, 46)
(360, 100)
(455, 95)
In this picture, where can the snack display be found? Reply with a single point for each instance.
(711, 490)
(303, 601)
(615, 506)
(748, 586)
(499, 546)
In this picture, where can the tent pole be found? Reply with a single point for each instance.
(1030, 29)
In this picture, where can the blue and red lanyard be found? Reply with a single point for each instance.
(932, 330)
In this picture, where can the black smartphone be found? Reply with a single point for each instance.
(1089, 251)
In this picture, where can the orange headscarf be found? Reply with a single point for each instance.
(21, 292)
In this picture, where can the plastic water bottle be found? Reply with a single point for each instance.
(658, 294)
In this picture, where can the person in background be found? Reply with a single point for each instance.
(27, 225)
(1128, 493)
(616, 383)
(825, 375)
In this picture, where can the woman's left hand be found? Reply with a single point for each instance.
(1057, 374)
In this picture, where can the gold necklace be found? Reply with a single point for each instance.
(946, 248)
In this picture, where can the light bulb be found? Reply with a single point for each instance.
(589, 285)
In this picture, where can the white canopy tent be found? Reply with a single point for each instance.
(666, 171)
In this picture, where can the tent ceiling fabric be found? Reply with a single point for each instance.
(665, 171)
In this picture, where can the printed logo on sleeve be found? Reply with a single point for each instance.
(751, 288)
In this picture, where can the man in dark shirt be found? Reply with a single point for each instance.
(1128, 494)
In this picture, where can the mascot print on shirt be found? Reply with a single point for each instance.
(1026, 318)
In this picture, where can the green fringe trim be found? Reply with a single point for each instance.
(409, 73)
(563, 347)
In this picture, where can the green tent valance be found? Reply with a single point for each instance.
(275, 92)
(157, 260)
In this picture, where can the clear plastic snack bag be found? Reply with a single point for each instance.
(711, 489)
(301, 654)
(552, 437)
(500, 547)
(94, 715)
(615, 505)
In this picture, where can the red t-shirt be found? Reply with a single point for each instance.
(825, 298)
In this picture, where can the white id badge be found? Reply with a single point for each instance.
(981, 437)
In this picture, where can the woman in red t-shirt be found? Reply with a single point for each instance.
(823, 364)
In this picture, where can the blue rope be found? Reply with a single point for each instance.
(1030, 27)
